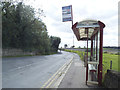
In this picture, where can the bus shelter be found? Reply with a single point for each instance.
(91, 31)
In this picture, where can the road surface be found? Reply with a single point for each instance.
(32, 71)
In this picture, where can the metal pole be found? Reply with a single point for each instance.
(102, 25)
(91, 48)
(87, 60)
(100, 60)
(72, 14)
(96, 46)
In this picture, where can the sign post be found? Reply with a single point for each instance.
(67, 13)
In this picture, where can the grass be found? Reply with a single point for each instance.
(107, 57)
(80, 53)
(106, 62)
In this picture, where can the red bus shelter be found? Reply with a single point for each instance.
(91, 31)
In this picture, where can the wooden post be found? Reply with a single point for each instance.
(110, 64)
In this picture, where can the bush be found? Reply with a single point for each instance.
(105, 52)
(118, 53)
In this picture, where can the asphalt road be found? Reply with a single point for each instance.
(32, 71)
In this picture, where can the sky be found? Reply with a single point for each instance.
(103, 10)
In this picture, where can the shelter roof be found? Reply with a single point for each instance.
(81, 28)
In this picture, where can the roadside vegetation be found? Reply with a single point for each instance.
(107, 57)
(22, 28)
(80, 53)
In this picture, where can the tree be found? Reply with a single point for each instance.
(55, 41)
(84, 47)
(65, 46)
(72, 46)
(24, 30)
(8, 24)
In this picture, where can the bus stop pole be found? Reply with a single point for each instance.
(72, 15)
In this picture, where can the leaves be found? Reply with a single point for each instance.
(24, 30)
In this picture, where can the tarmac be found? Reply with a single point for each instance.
(75, 77)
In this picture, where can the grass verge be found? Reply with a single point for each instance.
(80, 53)
(107, 57)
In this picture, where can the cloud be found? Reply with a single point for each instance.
(103, 10)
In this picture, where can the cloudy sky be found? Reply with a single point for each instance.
(103, 10)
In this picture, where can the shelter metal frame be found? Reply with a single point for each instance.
(91, 30)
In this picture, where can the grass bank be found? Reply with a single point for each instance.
(107, 57)
(80, 53)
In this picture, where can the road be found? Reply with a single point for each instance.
(32, 71)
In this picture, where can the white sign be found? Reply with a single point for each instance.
(67, 13)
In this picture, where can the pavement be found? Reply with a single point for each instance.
(76, 75)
